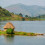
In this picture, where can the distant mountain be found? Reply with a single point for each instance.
(33, 10)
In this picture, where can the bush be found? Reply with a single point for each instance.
(25, 33)
(21, 15)
(32, 34)
(9, 31)
(23, 19)
(0, 7)
(26, 16)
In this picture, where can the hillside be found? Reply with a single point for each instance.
(4, 12)
(41, 16)
(32, 10)
(6, 15)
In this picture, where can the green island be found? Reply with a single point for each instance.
(20, 33)
(5, 15)
(9, 30)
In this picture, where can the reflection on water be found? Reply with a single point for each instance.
(9, 38)
(21, 40)
(28, 26)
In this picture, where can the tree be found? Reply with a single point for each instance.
(21, 14)
(26, 16)
(29, 16)
(39, 16)
(12, 13)
(0, 7)
(23, 19)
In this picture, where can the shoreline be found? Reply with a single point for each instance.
(22, 20)
(21, 33)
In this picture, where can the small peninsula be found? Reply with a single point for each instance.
(9, 30)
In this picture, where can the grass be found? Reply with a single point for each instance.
(2, 32)
(19, 18)
(25, 33)
(20, 33)
(14, 17)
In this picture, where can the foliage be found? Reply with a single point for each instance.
(32, 34)
(6, 15)
(23, 19)
(2, 32)
(18, 33)
(4, 12)
(25, 33)
(0, 7)
(26, 16)
(21, 15)
(41, 16)
(9, 31)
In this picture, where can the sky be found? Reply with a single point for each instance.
(5, 3)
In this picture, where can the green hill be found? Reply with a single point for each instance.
(4, 12)
(6, 15)
(41, 16)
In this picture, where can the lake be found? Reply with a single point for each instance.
(22, 40)
(26, 26)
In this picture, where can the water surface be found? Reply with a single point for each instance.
(27, 26)
(22, 40)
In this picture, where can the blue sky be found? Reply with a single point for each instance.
(5, 3)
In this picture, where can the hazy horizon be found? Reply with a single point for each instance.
(5, 3)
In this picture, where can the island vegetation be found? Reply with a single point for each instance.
(9, 30)
(19, 33)
(6, 15)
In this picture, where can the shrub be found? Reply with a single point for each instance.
(26, 16)
(23, 19)
(21, 15)
(32, 34)
(9, 31)
(25, 33)
(0, 7)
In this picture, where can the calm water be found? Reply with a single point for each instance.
(22, 40)
(27, 26)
